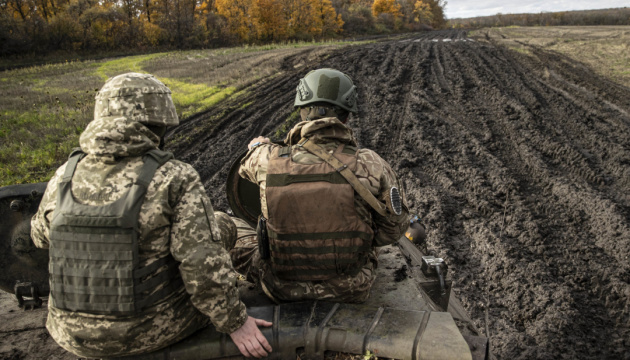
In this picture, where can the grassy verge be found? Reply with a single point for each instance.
(44, 109)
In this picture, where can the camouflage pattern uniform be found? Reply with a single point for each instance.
(176, 217)
(372, 171)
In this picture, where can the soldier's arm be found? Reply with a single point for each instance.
(205, 265)
(40, 223)
(254, 164)
(382, 178)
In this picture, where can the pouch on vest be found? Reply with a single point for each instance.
(94, 263)
(263, 238)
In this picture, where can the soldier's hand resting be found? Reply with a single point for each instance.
(249, 340)
(257, 141)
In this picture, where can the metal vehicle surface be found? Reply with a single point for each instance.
(411, 313)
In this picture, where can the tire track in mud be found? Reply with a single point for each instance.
(519, 165)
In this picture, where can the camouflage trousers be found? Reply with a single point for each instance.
(246, 260)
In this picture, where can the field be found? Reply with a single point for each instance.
(43, 109)
(513, 146)
(604, 49)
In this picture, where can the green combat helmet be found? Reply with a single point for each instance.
(328, 86)
(139, 97)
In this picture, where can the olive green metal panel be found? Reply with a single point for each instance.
(442, 340)
(318, 327)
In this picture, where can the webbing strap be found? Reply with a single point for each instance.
(320, 236)
(91, 255)
(73, 305)
(318, 249)
(91, 273)
(152, 161)
(310, 273)
(274, 180)
(73, 160)
(94, 290)
(318, 151)
(329, 263)
(284, 151)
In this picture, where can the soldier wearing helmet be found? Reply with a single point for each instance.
(326, 203)
(138, 257)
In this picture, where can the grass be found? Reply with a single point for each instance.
(606, 49)
(44, 108)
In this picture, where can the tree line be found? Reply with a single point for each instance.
(620, 16)
(44, 26)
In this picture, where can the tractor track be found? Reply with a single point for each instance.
(519, 166)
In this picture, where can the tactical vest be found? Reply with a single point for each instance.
(94, 263)
(314, 230)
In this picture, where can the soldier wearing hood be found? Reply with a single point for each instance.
(326, 203)
(138, 257)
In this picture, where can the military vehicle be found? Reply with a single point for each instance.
(411, 314)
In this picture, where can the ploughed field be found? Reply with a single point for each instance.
(517, 162)
(517, 158)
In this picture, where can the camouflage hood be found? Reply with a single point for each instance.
(117, 137)
(321, 130)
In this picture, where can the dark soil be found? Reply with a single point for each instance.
(518, 165)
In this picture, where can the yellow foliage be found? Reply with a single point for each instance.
(152, 32)
(326, 18)
(386, 7)
(238, 14)
(269, 20)
(422, 12)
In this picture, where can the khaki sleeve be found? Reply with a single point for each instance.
(205, 266)
(382, 178)
(40, 223)
(254, 164)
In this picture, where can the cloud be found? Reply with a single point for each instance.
(467, 8)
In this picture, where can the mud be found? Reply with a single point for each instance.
(519, 166)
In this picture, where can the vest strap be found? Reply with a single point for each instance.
(320, 236)
(75, 156)
(152, 161)
(318, 151)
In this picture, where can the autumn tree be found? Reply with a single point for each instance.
(422, 12)
(269, 20)
(327, 19)
(238, 14)
(386, 7)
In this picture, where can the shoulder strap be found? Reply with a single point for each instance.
(153, 160)
(342, 169)
(284, 151)
(75, 156)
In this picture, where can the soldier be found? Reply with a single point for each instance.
(138, 257)
(326, 204)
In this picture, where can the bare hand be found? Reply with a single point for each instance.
(260, 139)
(249, 340)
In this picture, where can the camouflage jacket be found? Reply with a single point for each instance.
(372, 171)
(176, 217)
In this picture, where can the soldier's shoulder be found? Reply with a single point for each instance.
(371, 157)
(179, 169)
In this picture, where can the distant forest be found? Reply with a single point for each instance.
(82, 26)
(619, 16)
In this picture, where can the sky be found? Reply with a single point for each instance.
(472, 8)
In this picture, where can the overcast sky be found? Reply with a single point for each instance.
(468, 8)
